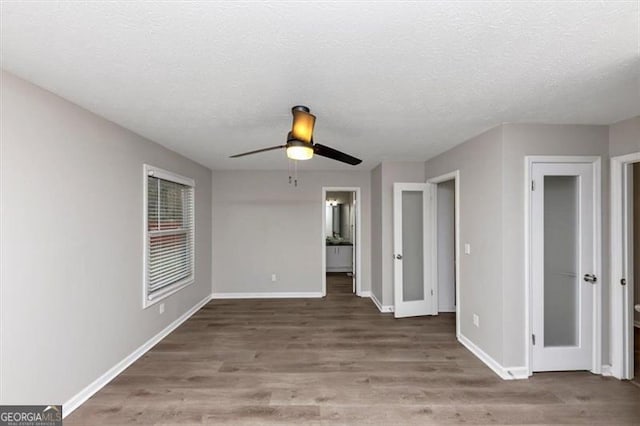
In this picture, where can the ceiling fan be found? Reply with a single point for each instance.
(300, 144)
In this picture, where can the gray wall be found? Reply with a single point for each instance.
(522, 140)
(264, 226)
(376, 232)
(392, 172)
(72, 240)
(492, 221)
(624, 137)
(480, 163)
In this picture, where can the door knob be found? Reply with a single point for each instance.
(590, 278)
(399, 256)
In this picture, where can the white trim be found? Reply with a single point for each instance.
(168, 291)
(86, 393)
(154, 171)
(151, 299)
(385, 309)
(423, 306)
(357, 242)
(597, 308)
(505, 373)
(517, 373)
(365, 293)
(606, 370)
(268, 295)
(621, 297)
(455, 175)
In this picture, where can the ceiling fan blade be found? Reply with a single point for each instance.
(334, 154)
(258, 150)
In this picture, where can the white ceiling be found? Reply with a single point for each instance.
(396, 81)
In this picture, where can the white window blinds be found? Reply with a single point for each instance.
(170, 235)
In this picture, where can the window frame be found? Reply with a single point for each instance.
(163, 293)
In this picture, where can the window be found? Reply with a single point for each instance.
(169, 234)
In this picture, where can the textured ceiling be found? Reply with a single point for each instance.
(394, 81)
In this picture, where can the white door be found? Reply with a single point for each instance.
(628, 271)
(413, 241)
(353, 240)
(563, 265)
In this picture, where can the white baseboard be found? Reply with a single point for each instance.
(273, 295)
(86, 393)
(516, 373)
(385, 309)
(505, 373)
(606, 370)
(365, 294)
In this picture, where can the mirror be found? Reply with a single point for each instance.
(339, 212)
(336, 220)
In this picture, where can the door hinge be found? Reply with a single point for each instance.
(432, 292)
(533, 185)
(533, 339)
(623, 281)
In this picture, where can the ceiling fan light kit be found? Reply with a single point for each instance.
(298, 150)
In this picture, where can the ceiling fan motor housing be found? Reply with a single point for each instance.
(300, 108)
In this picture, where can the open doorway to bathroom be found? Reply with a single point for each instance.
(341, 241)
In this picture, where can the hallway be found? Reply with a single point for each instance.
(338, 359)
(339, 284)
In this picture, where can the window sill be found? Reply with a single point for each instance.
(166, 292)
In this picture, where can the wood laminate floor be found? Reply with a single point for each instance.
(338, 360)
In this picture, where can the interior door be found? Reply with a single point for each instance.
(629, 212)
(413, 245)
(563, 265)
(354, 239)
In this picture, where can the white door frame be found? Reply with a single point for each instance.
(358, 248)
(455, 176)
(621, 254)
(417, 307)
(529, 161)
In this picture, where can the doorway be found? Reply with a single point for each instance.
(341, 241)
(446, 249)
(446, 208)
(625, 267)
(563, 234)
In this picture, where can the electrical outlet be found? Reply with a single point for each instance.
(274, 278)
(476, 320)
(467, 248)
(161, 308)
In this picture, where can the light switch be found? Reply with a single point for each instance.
(467, 248)
(161, 308)
(476, 320)
(274, 278)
